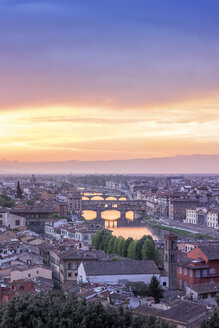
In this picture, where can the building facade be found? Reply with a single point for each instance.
(170, 258)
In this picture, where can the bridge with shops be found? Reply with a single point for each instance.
(123, 206)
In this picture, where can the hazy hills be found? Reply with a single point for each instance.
(177, 164)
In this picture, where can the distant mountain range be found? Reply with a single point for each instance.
(199, 164)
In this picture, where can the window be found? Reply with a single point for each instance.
(69, 266)
(172, 244)
(69, 274)
(180, 284)
(205, 296)
(29, 275)
(204, 273)
(185, 284)
(191, 273)
(76, 274)
(197, 273)
(185, 271)
(37, 272)
(164, 283)
(180, 270)
(21, 287)
(213, 294)
(212, 271)
(0, 222)
(17, 222)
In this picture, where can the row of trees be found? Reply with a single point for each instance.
(142, 249)
(57, 310)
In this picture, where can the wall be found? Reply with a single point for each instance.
(114, 279)
(31, 273)
(10, 220)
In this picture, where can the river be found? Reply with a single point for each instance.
(111, 216)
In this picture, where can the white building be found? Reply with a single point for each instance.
(10, 220)
(115, 272)
(196, 215)
(50, 226)
(213, 218)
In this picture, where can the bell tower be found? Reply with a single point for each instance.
(170, 258)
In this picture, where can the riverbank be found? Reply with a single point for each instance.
(159, 229)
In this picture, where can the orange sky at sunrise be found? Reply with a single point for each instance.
(89, 133)
(94, 80)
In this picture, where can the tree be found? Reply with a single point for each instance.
(55, 216)
(29, 202)
(158, 257)
(115, 246)
(97, 239)
(106, 242)
(127, 242)
(104, 235)
(19, 191)
(121, 246)
(94, 239)
(148, 250)
(110, 245)
(213, 322)
(139, 246)
(6, 201)
(131, 250)
(56, 309)
(155, 290)
(138, 288)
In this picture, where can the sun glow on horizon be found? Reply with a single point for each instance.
(64, 133)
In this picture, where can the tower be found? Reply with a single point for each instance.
(170, 258)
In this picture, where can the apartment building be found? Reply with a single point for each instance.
(11, 220)
(74, 202)
(196, 215)
(213, 218)
(178, 207)
(31, 272)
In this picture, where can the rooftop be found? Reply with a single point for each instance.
(205, 288)
(120, 267)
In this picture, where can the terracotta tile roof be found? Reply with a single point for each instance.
(205, 288)
(211, 252)
(83, 255)
(182, 312)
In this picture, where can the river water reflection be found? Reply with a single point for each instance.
(111, 216)
(108, 215)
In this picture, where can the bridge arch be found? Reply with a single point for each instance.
(97, 198)
(90, 215)
(111, 198)
(122, 198)
(110, 215)
(85, 198)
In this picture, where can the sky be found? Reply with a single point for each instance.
(108, 79)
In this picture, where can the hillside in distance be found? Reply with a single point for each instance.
(197, 164)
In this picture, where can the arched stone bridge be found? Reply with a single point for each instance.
(123, 206)
(129, 205)
(102, 197)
